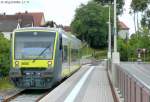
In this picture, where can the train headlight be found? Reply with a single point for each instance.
(38, 73)
(28, 73)
(17, 63)
(49, 63)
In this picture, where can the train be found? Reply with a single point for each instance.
(42, 56)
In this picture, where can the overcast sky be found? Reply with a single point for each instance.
(61, 11)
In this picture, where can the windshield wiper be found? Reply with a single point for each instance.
(41, 53)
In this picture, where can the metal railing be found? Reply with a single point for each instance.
(131, 89)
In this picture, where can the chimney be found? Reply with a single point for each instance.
(26, 12)
(18, 13)
(4, 14)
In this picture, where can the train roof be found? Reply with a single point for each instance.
(36, 28)
(67, 37)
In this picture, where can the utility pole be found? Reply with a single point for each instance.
(109, 34)
(115, 54)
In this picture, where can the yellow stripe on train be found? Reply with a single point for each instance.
(34, 64)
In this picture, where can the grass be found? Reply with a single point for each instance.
(86, 51)
(6, 84)
(100, 54)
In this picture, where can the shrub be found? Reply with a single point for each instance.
(4, 55)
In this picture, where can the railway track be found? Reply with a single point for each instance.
(27, 96)
(31, 95)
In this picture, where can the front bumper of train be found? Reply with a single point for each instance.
(32, 79)
(33, 82)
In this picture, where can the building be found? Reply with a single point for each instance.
(123, 31)
(67, 28)
(38, 17)
(10, 22)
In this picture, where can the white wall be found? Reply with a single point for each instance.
(43, 21)
(123, 33)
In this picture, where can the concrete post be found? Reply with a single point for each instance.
(109, 35)
(115, 55)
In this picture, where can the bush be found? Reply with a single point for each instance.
(4, 55)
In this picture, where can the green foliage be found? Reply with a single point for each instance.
(139, 40)
(145, 22)
(104, 1)
(123, 49)
(4, 55)
(100, 54)
(86, 51)
(5, 84)
(139, 5)
(90, 24)
(120, 4)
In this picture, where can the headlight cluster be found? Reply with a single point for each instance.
(29, 73)
(17, 64)
(49, 63)
(44, 73)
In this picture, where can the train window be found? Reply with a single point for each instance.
(60, 40)
(65, 53)
(75, 54)
(31, 45)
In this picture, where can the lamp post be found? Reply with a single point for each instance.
(109, 34)
(115, 54)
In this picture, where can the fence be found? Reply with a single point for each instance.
(131, 89)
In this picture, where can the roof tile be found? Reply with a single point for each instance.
(122, 26)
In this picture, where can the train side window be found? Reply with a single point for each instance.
(60, 42)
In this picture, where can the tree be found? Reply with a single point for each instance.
(4, 55)
(120, 4)
(129, 48)
(123, 49)
(138, 6)
(145, 22)
(90, 24)
(104, 1)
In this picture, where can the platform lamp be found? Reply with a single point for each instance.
(115, 54)
(109, 34)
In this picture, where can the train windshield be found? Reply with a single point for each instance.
(34, 45)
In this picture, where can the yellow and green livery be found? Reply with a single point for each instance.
(41, 56)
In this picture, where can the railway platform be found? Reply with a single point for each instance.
(89, 84)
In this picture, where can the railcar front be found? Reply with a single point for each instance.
(33, 58)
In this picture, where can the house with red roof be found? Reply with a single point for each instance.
(27, 19)
(123, 30)
(38, 17)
